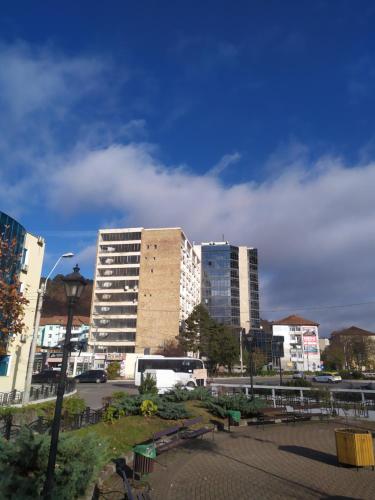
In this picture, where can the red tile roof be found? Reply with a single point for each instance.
(294, 320)
(352, 330)
(62, 320)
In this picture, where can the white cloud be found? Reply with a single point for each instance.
(314, 226)
(34, 78)
(224, 162)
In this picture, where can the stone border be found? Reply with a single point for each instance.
(107, 471)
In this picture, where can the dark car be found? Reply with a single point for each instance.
(97, 376)
(46, 377)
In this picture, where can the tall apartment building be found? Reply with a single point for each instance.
(230, 288)
(146, 282)
(14, 352)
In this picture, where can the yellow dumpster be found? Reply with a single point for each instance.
(354, 447)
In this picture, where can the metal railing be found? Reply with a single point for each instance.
(11, 424)
(37, 392)
(360, 399)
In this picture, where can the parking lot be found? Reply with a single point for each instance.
(93, 393)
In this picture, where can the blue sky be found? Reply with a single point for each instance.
(250, 119)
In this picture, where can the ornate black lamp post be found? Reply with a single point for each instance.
(249, 344)
(74, 284)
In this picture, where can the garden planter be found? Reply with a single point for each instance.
(354, 447)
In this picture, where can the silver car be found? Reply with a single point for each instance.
(327, 378)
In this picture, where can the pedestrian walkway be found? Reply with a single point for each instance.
(296, 461)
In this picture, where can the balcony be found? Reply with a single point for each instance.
(109, 337)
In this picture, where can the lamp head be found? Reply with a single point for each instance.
(74, 284)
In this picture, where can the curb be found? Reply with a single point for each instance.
(107, 471)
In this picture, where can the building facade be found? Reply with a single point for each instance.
(301, 343)
(52, 331)
(230, 287)
(29, 251)
(147, 281)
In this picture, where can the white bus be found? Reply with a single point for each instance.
(168, 372)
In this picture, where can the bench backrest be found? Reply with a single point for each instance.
(166, 432)
(193, 421)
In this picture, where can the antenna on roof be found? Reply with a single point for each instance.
(223, 238)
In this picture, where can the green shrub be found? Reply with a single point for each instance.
(148, 385)
(179, 394)
(200, 394)
(148, 408)
(113, 370)
(73, 405)
(172, 411)
(220, 405)
(23, 463)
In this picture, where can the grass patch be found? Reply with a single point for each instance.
(197, 409)
(126, 432)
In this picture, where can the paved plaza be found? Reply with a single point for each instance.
(296, 461)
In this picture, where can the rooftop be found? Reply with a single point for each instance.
(62, 320)
(295, 320)
(352, 330)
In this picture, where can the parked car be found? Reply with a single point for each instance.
(46, 377)
(327, 378)
(97, 376)
(298, 375)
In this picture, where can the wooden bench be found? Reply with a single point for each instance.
(187, 432)
(271, 415)
(166, 438)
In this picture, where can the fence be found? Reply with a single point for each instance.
(361, 401)
(10, 424)
(37, 392)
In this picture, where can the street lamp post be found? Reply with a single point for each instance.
(74, 284)
(250, 349)
(30, 363)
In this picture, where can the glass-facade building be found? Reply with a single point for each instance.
(10, 231)
(220, 283)
(230, 286)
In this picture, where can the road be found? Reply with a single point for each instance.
(93, 393)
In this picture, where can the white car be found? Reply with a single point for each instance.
(327, 378)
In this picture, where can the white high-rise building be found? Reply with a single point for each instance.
(146, 282)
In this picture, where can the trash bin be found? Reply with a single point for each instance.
(144, 455)
(354, 447)
(234, 417)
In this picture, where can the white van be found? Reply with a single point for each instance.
(168, 372)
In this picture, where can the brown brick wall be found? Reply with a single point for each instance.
(159, 288)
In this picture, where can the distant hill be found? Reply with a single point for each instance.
(54, 303)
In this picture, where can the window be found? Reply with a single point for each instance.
(4, 365)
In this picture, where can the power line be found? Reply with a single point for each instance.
(317, 308)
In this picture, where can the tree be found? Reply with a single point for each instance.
(113, 370)
(12, 302)
(196, 331)
(171, 349)
(349, 352)
(259, 360)
(222, 347)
